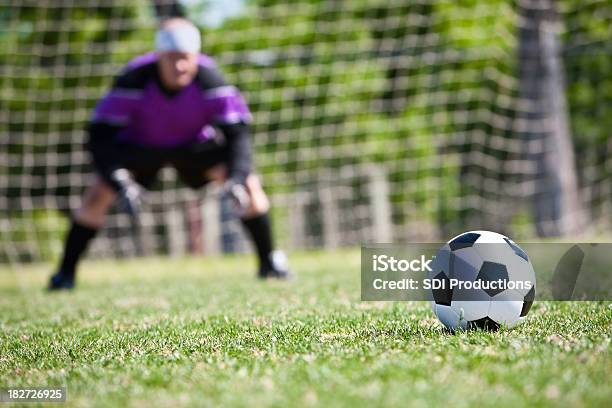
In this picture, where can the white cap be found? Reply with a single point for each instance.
(183, 38)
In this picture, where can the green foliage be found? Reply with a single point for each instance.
(588, 66)
(33, 235)
(52, 78)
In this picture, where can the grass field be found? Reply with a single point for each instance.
(185, 332)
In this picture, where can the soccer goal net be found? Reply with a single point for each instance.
(374, 120)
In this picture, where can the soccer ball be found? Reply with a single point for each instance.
(494, 282)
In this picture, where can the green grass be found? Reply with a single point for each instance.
(185, 332)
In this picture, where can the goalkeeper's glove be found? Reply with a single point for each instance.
(130, 193)
(238, 195)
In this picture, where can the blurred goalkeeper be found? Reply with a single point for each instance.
(170, 107)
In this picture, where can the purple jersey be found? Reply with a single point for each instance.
(149, 115)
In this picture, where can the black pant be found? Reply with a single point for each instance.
(190, 161)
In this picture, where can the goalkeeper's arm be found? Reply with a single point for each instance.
(239, 164)
(105, 151)
(240, 160)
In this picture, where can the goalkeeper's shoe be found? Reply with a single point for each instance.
(277, 267)
(59, 281)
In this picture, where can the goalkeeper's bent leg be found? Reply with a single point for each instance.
(257, 222)
(85, 224)
(272, 264)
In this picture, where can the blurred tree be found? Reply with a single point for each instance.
(557, 207)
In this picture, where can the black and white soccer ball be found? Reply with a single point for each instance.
(483, 256)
